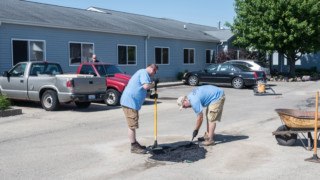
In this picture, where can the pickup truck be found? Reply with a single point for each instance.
(44, 82)
(116, 80)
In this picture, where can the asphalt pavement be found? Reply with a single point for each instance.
(92, 143)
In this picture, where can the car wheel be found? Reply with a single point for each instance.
(49, 100)
(82, 105)
(285, 140)
(193, 80)
(237, 83)
(112, 97)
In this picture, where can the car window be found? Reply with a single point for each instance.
(224, 68)
(246, 64)
(234, 69)
(45, 68)
(211, 68)
(112, 69)
(53, 69)
(18, 70)
(101, 70)
(240, 67)
(86, 69)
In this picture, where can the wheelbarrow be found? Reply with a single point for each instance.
(295, 124)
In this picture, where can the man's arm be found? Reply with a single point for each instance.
(199, 121)
(148, 86)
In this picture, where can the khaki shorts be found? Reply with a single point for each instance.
(214, 111)
(132, 117)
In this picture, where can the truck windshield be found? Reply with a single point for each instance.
(108, 70)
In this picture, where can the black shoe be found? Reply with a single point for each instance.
(138, 144)
(138, 149)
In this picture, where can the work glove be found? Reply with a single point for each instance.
(153, 96)
(195, 133)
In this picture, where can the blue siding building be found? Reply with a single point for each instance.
(32, 31)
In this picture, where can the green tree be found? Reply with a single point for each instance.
(290, 27)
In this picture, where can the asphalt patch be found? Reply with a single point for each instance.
(179, 152)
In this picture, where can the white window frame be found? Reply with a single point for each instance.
(127, 54)
(194, 56)
(212, 55)
(29, 40)
(83, 59)
(162, 47)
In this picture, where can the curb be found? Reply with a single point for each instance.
(170, 84)
(10, 112)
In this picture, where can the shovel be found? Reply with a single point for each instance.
(156, 149)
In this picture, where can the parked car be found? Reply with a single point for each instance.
(116, 79)
(252, 64)
(236, 75)
(45, 82)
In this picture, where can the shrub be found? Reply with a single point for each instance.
(4, 103)
(306, 72)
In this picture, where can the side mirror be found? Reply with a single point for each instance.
(5, 74)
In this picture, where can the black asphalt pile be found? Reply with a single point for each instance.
(185, 152)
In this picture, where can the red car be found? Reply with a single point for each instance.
(116, 79)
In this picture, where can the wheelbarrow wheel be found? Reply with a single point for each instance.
(285, 140)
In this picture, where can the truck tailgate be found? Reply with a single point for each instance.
(84, 85)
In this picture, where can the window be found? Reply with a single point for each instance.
(18, 71)
(126, 54)
(210, 56)
(45, 68)
(87, 69)
(28, 50)
(162, 55)
(188, 56)
(224, 67)
(80, 52)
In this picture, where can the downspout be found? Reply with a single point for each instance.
(146, 49)
(217, 53)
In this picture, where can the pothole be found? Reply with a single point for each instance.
(178, 152)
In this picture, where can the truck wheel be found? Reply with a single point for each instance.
(112, 97)
(49, 100)
(285, 140)
(82, 105)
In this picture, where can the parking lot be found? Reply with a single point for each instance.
(93, 144)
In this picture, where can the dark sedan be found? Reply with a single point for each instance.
(236, 75)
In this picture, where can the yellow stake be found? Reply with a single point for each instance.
(155, 119)
(315, 158)
(316, 125)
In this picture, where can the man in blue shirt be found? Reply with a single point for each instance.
(201, 97)
(132, 99)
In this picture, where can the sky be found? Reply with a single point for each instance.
(203, 12)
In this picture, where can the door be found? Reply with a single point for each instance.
(15, 85)
(224, 74)
(209, 74)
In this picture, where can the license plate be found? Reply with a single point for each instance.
(92, 97)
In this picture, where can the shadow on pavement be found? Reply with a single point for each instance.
(223, 138)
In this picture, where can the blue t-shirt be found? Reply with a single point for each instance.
(134, 94)
(203, 96)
